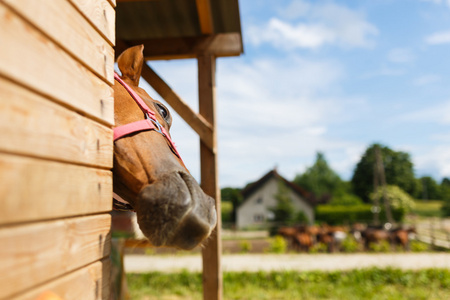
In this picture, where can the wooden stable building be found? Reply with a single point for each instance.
(56, 119)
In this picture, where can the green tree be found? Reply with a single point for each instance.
(346, 199)
(445, 195)
(430, 189)
(418, 189)
(284, 210)
(320, 179)
(397, 198)
(234, 196)
(398, 170)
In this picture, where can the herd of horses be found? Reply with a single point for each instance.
(303, 238)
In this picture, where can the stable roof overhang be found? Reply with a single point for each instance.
(174, 29)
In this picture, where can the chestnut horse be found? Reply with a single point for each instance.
(149, 175)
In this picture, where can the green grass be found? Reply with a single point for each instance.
(430, 208)
(371, 283)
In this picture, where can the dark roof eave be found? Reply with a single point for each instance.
(251, 188)
(218, 45)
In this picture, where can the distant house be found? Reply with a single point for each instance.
(260, 196)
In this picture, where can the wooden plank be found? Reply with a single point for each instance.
(26, 56)
(31, 125)
(32, 189)
(88, 283)
(211, 253)
(101, 14)
(67, 27)
(35, 253)
(219, 45)
(205, 16)
(197, 122)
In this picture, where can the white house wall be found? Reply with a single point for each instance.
(259, 202)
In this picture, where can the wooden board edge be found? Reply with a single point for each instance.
(54, 190)
(37, 253)
(87, 283)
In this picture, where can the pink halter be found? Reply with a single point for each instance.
(149, 123)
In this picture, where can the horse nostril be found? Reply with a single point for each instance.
(173, 211)
(191, 231)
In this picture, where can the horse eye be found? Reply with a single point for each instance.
(162, 111)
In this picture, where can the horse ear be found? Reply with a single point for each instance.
(130, 63)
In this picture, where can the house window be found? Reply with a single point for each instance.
(258, 218)
(259, 200)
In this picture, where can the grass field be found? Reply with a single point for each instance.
(357, 284)
(430, 208)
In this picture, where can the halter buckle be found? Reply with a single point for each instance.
(156, 123)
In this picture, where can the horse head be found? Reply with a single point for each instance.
(172, 210)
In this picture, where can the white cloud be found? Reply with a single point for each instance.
(284, 78)
(435, 161)
(433, 1)
(431, 114)
(441, 137)
(316, 130)
(295, 9)
(320, 25)
(426, 79)
(438, 38)
(384, 71)
(439, 2)
(401, 55)
(429, 159)
(278, 112)
(287, 36)
(349, 154)
(279, 95)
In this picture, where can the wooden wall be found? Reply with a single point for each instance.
(56, 147)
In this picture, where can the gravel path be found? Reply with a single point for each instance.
(300, 262)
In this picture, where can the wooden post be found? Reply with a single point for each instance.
(432, 234)
(212, 269)
(448, 237)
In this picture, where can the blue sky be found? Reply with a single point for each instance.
(329, 76)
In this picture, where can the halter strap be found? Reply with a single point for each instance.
(150, 123)
(135, 96)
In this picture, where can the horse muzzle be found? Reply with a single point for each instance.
(174, 212)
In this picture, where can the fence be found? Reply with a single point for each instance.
(434, 231)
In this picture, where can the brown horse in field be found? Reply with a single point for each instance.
(374, 235)
(395, 237)
(299, 238)
(149, 175)
(402, 236)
